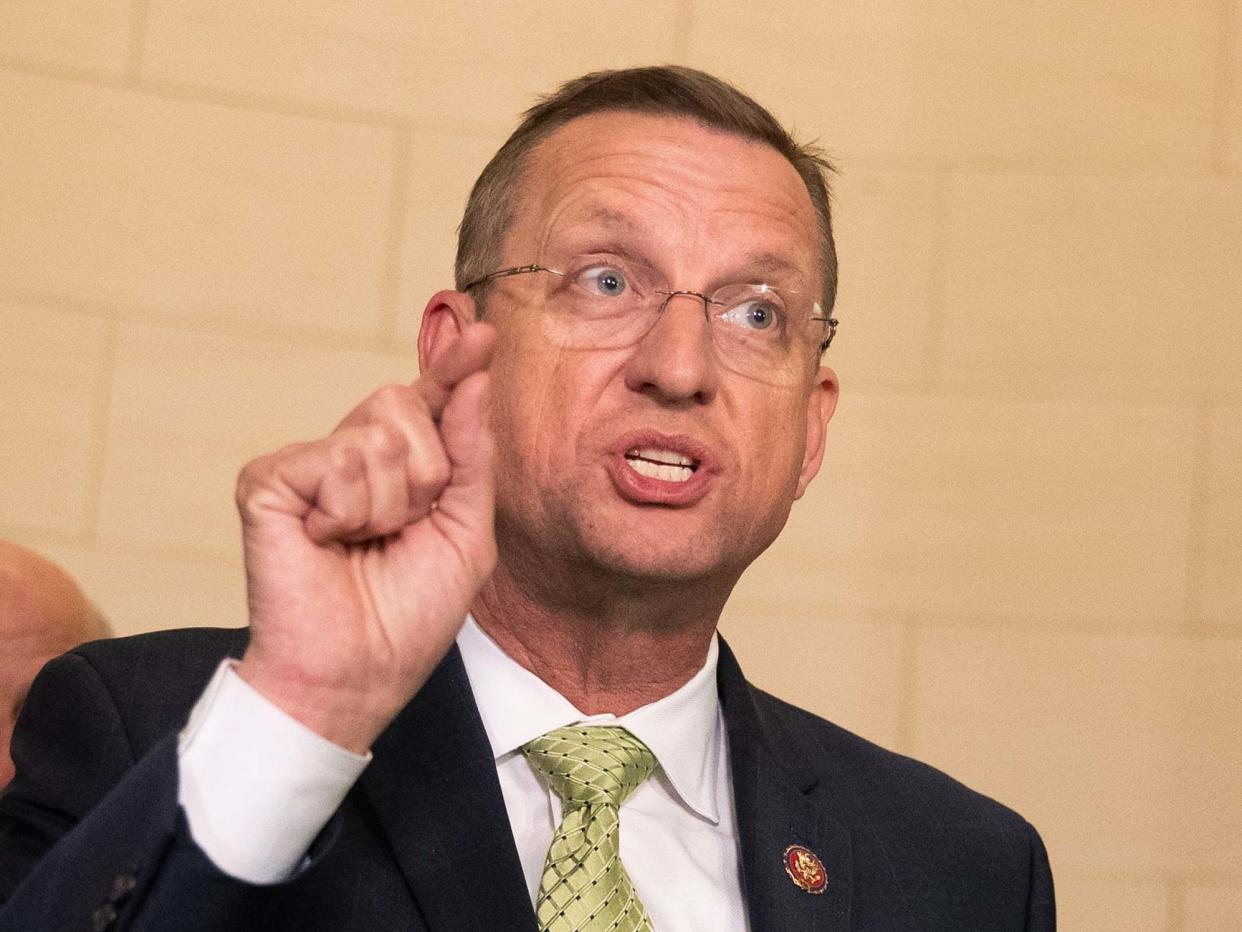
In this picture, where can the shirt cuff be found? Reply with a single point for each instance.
(256, 784)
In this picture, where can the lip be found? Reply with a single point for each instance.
(647, 490)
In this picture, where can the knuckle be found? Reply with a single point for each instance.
(392, 404)
(249, 478)
(387, 442)
(433, 471)
(440, 470)
(391, 396)
(346, 461)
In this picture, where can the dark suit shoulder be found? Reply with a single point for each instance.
(154, 679)
(876, 773)
(191, 648)
(919, 830)
(90, 716)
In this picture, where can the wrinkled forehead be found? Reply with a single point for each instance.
(666, 179)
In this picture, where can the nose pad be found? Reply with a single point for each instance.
(709, 333)
(670, 295)
(674, 364)
(668, 298)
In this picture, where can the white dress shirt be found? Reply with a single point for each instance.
(257, 785)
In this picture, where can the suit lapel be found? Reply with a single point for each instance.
(774, 812)
(434, 789)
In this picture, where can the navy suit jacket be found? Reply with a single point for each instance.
(91, 836)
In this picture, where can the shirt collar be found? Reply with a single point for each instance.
(683, 729)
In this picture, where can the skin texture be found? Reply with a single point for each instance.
(611, 601)
(42, 614)
(365, 549)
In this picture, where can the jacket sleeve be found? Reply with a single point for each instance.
(92, 836)
(1041, 910)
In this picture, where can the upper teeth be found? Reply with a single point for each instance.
(664, 465)
(661, 456)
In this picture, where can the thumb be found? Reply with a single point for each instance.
(469, 497)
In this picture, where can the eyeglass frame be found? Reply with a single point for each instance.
(832, 322)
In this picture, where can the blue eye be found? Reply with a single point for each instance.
(604, 281)
(753, 315)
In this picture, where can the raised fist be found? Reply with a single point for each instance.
(364, 549)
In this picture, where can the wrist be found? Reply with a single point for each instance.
(348, 716)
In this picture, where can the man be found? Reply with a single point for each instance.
(620, 403)
(42, 614)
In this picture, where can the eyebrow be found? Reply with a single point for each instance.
(609, 217)
(770, 263)
(758, 266)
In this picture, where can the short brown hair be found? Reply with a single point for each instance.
(668, 90)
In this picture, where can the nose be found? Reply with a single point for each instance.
(675, 361)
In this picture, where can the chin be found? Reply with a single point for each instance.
(646, 549)
(644, 566)
(602, 536)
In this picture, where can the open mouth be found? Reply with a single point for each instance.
(665, 465)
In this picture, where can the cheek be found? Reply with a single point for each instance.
(774, 448)
(533, 412)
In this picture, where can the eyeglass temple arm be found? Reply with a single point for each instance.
(503, 273)
(832, 323)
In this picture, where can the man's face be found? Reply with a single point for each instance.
(582, 432)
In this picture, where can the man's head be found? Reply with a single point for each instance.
(669, 91)
(668, 449)
(42, 614)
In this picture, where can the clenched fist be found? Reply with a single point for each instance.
(364, 550)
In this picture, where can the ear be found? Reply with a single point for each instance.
(447, 314)
(820, 405)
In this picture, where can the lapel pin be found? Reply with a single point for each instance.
(805, 869)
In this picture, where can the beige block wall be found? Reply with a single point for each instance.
(219, 224)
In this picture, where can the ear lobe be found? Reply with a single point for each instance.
(447, 314)
(820, 406)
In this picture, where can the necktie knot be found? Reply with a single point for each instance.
(591, 764)
(584, 887)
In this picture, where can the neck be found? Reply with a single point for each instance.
(604, 648)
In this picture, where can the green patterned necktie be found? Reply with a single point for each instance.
(585, 888)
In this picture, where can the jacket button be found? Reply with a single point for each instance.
(103, 917)
(122, 885)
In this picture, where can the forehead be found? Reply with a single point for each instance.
(670, 179)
